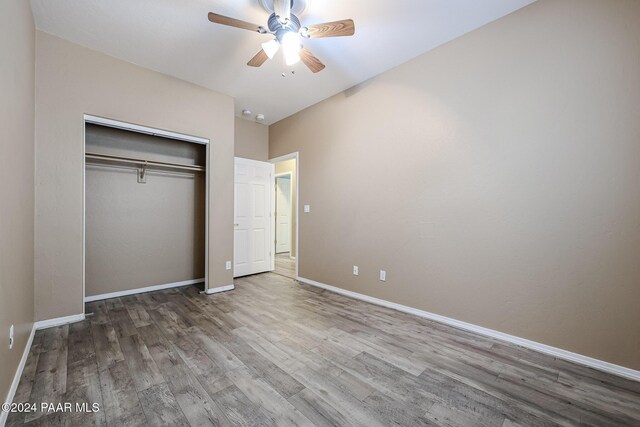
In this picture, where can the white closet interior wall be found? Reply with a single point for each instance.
(142, 234)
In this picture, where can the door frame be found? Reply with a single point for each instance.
(118, 124)
(294, 155)
(275, 213)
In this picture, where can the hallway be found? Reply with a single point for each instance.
(285, 266)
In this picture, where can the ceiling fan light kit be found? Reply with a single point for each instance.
(291, 47)
(288, 32)
(271, 48)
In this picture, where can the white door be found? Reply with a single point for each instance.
(252, 217)
(283, 214)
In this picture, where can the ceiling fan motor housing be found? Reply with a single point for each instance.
(280, 29)
(297, 6)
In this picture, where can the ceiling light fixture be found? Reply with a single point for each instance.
(246, 112)
(271, 48)
(289, 32)
(291, 47)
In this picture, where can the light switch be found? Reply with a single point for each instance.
(307, 208)
(383, 276)
(355, 270)
(228, 265)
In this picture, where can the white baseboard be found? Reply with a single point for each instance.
(42, 324)
(50, 323)
(220, 289)
(142, 290)
(16, 378)
(532, 345)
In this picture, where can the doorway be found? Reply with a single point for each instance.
(160, 160)
(283, 214)
(286, 215)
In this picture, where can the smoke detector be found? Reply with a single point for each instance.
(260, 118)
(297, 6)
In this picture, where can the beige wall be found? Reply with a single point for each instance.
(251, 140)
(17, 44)
(136, 234)
(72, 80)
(284, 167)
(495, 179)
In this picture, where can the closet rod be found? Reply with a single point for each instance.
(141, 162)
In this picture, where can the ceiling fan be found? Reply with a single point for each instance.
(288, 32)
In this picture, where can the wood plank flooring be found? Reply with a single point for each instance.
(274, 352)
(285, 266)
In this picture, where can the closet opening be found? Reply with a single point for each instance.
(145, 210)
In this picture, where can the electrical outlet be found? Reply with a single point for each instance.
(307, 208)
(11, 337)
(228, 265)
(355, 270)
(383, 276)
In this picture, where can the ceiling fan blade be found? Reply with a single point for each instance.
(260, 58)
(343, 28)
(231, 22)
(311, 61)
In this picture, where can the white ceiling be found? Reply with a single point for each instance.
(175, 37)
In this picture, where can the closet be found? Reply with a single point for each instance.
(145, 207)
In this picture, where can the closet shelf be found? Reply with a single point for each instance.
(143, 163)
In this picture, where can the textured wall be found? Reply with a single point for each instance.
(495, 179)
(72, 80)
(251, 140)
(17, 44)
(139, 235)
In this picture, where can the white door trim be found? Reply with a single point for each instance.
(275, 179)
(294, 155)
(143, 129)
(88, 118)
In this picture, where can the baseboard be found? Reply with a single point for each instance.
(16, 378)
(532, 345)
(42, 324)
(142, 290)
(220, 289)
(59, 321)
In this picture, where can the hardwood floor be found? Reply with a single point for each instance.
(285, 266)
(273, 352)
